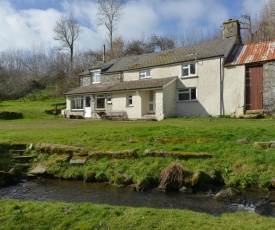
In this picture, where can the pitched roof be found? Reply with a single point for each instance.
(251, 53)
(122, 86)
(221, 47)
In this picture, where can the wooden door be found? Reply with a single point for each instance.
(254, 88)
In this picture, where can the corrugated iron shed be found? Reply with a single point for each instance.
(252, 53)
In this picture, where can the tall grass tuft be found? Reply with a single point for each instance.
(172, 177)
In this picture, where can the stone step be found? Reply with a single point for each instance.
(253, 116)
(23, 159)
(17, 152)
(22, 165)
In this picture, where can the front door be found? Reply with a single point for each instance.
(87, 109)
(254, 88)
(151, 102)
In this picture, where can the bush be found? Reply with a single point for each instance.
(5, 115)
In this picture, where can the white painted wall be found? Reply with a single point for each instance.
(119, 102)
(158, 72)
(207, 83)
(169, 100)
(234, 90)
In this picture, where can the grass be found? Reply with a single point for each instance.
(240, 164)
(16, 214)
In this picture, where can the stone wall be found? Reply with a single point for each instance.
(85, 80)
(269, 88)
(112, 78)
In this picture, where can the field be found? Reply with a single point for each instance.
(229, 140)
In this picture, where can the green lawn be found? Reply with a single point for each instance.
(240, 165)
(57, 215)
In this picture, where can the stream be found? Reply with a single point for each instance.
(102, 193)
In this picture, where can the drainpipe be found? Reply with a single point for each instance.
(103, 53)
(221, 86)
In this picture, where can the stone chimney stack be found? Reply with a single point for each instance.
(232, 28)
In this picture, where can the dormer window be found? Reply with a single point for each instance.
(144, 74)
(189, 70)
(96, 77)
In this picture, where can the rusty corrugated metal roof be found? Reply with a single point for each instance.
(251, 53)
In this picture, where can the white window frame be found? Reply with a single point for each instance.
(109, 98)
(79, 101)
(129, 102)
(188, 67)
(189, 93)
(145, 74)
(96, 77)
(99, 96)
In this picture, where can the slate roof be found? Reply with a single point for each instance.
(251, 53)
(122, 86)
(221, 47)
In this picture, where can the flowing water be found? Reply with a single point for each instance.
(101, 193)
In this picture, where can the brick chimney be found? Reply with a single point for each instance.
(231, 28)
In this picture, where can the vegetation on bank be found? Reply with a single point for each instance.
(16, 214)
(230, 142)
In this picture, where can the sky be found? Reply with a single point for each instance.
(25, 24)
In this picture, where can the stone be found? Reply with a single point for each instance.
(39, 169)
(201, 181)
(63, 158)
(77, 160)
(243, 141)
(230, 195)
(16, 172)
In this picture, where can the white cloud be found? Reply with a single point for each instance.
(142, 18)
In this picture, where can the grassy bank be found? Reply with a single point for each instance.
(16, 214)
(229, 141)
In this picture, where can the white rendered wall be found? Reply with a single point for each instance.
(234, 90)
(207, 84)
(158, 72)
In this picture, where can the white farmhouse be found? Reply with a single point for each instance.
(204, 79)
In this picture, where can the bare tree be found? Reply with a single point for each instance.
(246, 25)
(109, 13)
(163, 42)
(66, 31)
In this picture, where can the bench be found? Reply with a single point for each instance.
(115, 115)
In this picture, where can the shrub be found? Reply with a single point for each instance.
(5, 115)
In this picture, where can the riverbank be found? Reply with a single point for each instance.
(16, 214)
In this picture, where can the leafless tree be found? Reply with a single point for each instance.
(109, 13)
(247, 27)
(67, 31)
(162, 42)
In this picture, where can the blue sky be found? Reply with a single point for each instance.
(28, 23)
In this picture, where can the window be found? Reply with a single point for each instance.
(189, 70)
(109, 98)
(96, 77)
(100, 102)
(144, 74)
(77, 103)
(129, 100)
(187, 94)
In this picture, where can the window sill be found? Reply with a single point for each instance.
(77, 110)
(109, 103)
(144, 77)
(190, 101)
(187, 77)
(129, 106)
(93, 83)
